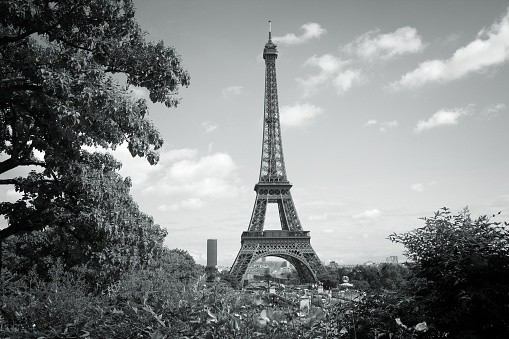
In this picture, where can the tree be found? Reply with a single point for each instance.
(460, 273)
(393, 276)
(327, 279)
(95, 224)
(59, 93)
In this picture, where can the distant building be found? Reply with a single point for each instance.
(211, 252)
(333, 264)
(392, 259)
(286, 270)
(251, 271)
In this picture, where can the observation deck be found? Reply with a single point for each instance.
(269, 235)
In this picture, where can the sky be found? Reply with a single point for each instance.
(390, 110)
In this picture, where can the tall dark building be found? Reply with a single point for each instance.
(211, 252)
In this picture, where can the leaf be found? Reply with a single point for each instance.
(211, 317)
(157, 335)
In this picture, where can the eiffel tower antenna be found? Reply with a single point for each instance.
(291, 243)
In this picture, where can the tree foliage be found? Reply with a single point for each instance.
(386, 276)
(460, 273)
(97, 225)
(60, 65)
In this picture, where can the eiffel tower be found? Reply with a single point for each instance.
(291, 243)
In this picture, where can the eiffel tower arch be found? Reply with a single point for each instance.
(291, 243)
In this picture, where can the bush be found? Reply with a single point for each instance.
(460, 274)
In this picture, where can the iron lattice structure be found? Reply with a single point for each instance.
(291, 242)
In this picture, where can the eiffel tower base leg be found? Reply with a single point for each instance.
(295, 247)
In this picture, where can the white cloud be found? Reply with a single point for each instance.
(370, 122)
(208, 126)
(388, 124)
(183, 175)
(207, 177)
(332, 71)
(491, 48)
(317, 217)
(311, 30)
(327, 63)
(444, 117)
(345, 80)
(374, 45)
(190, 204)
(451, 38)
(138, 169)
(298, 115)
(178, 154)
(368, 215)
(418, 187)
(491, 111)
(232, 91)
(328, 230)
(11, 195)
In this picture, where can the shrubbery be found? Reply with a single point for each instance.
(460, 274)
(455, 287)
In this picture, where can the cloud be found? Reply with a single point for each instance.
(208, 126)
(193, 177)
(179, 154)
(418, 187)
(388, 124)
(368, 215)
(317, 217)
(182, 174)
(190, 204)
(384, 126)
(444, 117)
(137, 168)
(299, 115)
(11, 195)
(232, 91)
(345, 80)
(332, 71)
(370, 122)
(311, 30)
(451, 38)
(491, 48)
(491, 111)
(374, 45)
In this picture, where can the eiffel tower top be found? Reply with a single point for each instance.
(270, 51)
(272, 168)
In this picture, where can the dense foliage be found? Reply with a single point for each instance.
(160, 303)
(386, 276)
(171, 298)
(108, 237)
(460, 274)
(60, 91)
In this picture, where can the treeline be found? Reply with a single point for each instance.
(386, 276)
